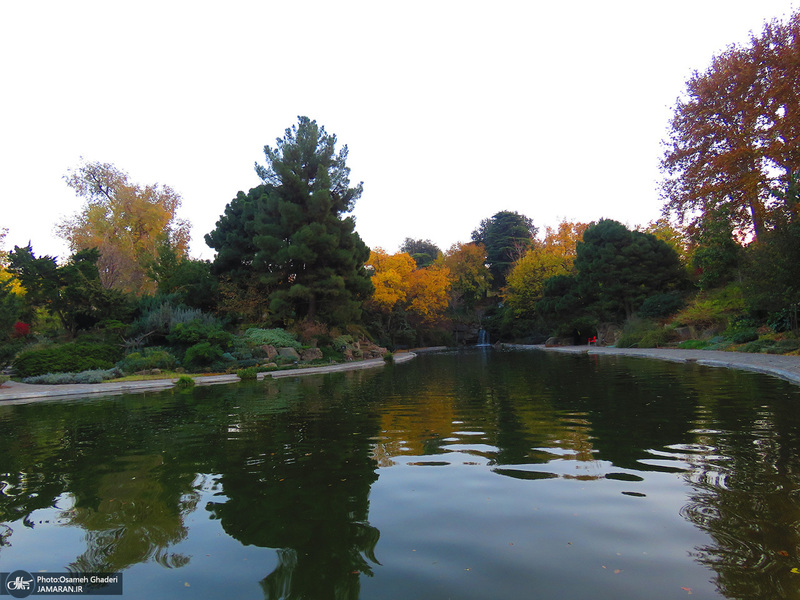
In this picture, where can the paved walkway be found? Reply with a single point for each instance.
(13, 392)
(785, 367)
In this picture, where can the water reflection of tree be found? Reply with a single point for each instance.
(130, 516)
(747, 491)
(298, 480)
(113, 460)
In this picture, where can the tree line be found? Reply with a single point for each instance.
(287, 253)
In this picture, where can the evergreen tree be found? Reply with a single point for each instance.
(617, 269)
(424, 252)
(506, 237)
(292, 233)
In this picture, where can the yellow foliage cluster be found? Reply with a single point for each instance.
(553, 256)
(125, 221)
(397, 280)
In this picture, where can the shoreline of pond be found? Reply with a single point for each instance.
(13, 392)
(776, 365)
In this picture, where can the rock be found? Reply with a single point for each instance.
(271, 365)
(289, 353)
(270, 351)
(311, 354)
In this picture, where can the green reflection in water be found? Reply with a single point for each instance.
(448, 456)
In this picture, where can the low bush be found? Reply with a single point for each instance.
(250, 373)
(148, 359)
(184, 382)
(66, 358)
(202, 355)
(272, 337)
(94, 376)
(660, 305)
(694, 344)
(656, 338)
(756, 346)
(784, 346)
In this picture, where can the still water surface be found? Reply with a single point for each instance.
(468, 475)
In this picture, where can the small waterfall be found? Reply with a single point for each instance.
(483, 338)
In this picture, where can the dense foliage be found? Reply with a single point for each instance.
(291, 234)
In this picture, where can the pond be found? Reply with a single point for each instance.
(472, 475)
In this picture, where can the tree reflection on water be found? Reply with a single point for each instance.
(292, 463)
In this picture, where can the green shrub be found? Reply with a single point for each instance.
(634, 331)
(655, 338)
(784, 347)
(660, 305)
(202, 355)
(756, 346)
(272, 337)
(388, 357)
(196, 331)
(3, 379)
(248, 373)
(184, 382)
(694, 344)
(148, 359)
(66, 358)
(743, 336)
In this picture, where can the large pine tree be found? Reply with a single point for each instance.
(293, 236)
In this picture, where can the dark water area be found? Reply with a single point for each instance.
(470, 475)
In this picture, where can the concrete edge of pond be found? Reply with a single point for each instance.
(13, 392)
(784, 367)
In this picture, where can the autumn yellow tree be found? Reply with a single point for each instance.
(406, 296)
(125, 221)
(470, 279)
(553, 256)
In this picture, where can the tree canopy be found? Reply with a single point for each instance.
(615, 271)
(124, 221)
(292, 235)
(734, 135)
(506, 237)
(424, 252)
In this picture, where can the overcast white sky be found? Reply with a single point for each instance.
(452, 111)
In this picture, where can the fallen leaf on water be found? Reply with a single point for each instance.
(617, 571)
(186, 584)
(783, 553)
(796, 570)
(687, 590)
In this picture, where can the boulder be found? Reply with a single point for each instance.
(270, 351)
(311, 354)
(289, 353)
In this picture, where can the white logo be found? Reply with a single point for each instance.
(19, 583)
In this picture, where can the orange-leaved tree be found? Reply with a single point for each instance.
(406, 294)
(734, 140)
